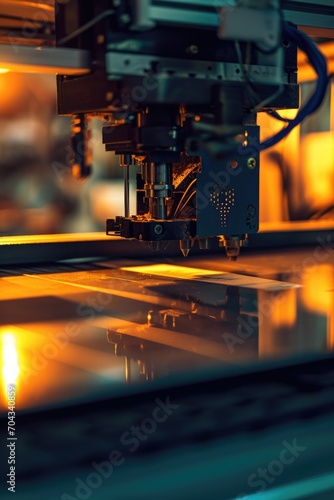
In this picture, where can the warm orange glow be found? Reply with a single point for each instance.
(317, 158)
(208, 276)
(331, 106)
(285, 309)
(47, 363)
(331, 327)
(316, 293)
(273, 203)
(10, 367)
(171, 271)
(309, 161)
(3, 70)
(305, 72)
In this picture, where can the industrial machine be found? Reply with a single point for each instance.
(196, 374)
(179, 85)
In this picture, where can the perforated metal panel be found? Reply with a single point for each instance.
(228, 190)
(223, 201)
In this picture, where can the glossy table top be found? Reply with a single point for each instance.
(87, 331)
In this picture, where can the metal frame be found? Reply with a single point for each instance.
(304, 13)
(40, 249)
(45, 60)
(120, 63)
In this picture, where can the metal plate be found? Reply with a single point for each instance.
(227, 191)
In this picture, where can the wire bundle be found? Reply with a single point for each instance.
(319, 64)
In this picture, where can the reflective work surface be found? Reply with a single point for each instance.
(181, 379)
(77, 332)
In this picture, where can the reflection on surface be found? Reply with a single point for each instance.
(145, 361)
(95, 331)
(10, 360)
(318, 297)
(317, 285)
(284, 309)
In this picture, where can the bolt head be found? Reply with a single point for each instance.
(193, 49)
(158, 229)
(251, 163)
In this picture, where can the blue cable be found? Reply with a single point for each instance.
(319, 63)
(274, 114)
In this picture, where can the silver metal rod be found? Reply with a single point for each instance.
(206, 13)
(126, 191)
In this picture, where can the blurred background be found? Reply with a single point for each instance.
(39, 196)
(297, 175)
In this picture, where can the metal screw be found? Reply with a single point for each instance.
(100, 39)
(158, 229)
(251, 163)
(193, 49)
(109, 96)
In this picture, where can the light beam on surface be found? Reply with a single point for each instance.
(10, 365)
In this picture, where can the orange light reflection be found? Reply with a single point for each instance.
(318, 165)
(317, 296)
(10, 366)
(285, 309)
(306, 72)
(316, 292)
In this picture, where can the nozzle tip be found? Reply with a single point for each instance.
(185, 251)
(185, 246)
